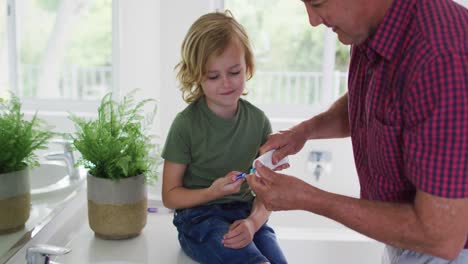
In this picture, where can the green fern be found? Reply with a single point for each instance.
(19, 138)
(116, 144)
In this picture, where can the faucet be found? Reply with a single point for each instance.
(66, 156)
(318, 160)
(318, 170)
(40, 254)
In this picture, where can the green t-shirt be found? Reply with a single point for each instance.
(212, 146)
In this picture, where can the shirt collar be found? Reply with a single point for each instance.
(390, 34)
(217, 119)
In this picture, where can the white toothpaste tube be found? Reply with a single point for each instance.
(265, 159)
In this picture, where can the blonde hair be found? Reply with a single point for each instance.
(209, 34)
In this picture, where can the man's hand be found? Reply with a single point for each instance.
(240, 234)
(277, 191)
(285, 142)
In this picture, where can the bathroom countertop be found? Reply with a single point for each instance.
(157, 243)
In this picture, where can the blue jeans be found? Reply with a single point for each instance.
(201, 230)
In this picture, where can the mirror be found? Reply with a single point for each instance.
(63, 66)
(52, 187)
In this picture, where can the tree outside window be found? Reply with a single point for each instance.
(291, 69)
(4, 84)
(292, 64)
(64, 48)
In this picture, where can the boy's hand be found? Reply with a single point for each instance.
(240, 234)
(226, 185)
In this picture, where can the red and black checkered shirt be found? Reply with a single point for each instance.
(408, 103)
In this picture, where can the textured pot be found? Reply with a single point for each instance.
(15, 200)
(117, 209)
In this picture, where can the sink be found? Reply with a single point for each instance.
(70, 229)
(51, 178)
(51, 190)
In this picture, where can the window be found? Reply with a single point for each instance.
(462, 2)
(298, 66)
(4, 80)
(64, 49)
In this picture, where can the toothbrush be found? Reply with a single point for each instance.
(241, 176)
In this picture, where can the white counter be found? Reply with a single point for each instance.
(156, 244)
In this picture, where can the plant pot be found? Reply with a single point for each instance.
(15, 200)
(117, 209)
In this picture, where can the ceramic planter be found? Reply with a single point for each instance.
(15, 200)
(117, 209)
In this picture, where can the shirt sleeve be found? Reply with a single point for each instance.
(177, 145)
(266, 128)
(436, 141)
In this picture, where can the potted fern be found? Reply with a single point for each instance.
(121, 158)
(19, 139)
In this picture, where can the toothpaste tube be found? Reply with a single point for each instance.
(265, 159)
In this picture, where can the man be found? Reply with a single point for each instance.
(406, 111)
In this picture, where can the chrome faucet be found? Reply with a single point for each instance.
(40, 254)
(318, 171)
(66, 156)
(318, 160)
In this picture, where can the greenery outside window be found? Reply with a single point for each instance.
(297, 66)
(4, 80)
(64, 49)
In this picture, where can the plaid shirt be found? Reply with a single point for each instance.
(408, 103)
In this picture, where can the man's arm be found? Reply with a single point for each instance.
(433, 225)
(333, 123)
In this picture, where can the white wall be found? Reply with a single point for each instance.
(340, 175)
(138, 47)
(176, 16)
(150, 35)
(163, 24)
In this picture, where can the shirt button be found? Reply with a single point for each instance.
(369, 71)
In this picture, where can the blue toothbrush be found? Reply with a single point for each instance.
(241, 176)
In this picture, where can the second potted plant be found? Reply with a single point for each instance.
(119, 153)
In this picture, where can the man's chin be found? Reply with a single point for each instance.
(347, 40)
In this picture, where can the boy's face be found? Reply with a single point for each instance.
(352, 20)
(224, 80)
